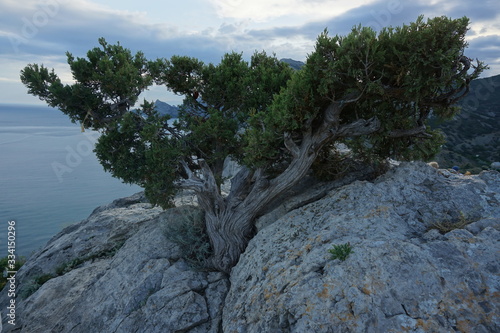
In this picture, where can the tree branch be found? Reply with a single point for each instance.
(192, 181)
(464, 61)
(239, 187)
(333, 110)
(209, 198)
(416, 131)
(357, 128)
(290, 145)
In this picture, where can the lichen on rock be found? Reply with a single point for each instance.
(402, 275)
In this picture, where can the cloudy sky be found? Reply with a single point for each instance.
(41, 31)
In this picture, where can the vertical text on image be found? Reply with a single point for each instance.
(11, 273)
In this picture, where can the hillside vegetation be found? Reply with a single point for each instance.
(473, 137)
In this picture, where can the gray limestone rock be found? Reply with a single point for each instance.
(403, 276)
(142, 286)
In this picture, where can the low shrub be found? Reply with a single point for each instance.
(341, 251)
(185, 226)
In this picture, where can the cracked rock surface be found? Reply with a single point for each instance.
(402, 275)
(143, 286)
(117, 272)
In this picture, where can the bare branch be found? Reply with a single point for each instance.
(121, 105)
(358, 128)
(257, 174)
(290, 145)
(208, 176)
(451, 97)
(210, 192)
(416, 131)
(188, 170)
(240, 186)
(333, 110)
(192, 181)
(464, 61)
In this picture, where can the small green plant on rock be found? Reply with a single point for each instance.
(341, 251)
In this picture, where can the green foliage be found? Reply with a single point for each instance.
(144, 148)
(187, 230)
(142, 152)
(399, 76)
(341, 251)
(107, 83)
(373, 92)
(242, 109)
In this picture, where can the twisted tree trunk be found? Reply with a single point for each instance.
(230, 221)
(229, 233)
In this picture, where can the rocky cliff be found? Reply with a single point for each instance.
(425, 248)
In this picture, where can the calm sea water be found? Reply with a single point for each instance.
(49, 176)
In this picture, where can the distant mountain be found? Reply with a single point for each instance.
(293, 63)
(165, 108)
(473, 137)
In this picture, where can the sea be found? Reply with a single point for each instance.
(50, 177)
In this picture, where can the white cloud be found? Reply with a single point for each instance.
(46, 29)
(302, 10)
(8, 79)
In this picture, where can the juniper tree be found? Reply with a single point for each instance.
(372, 91)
